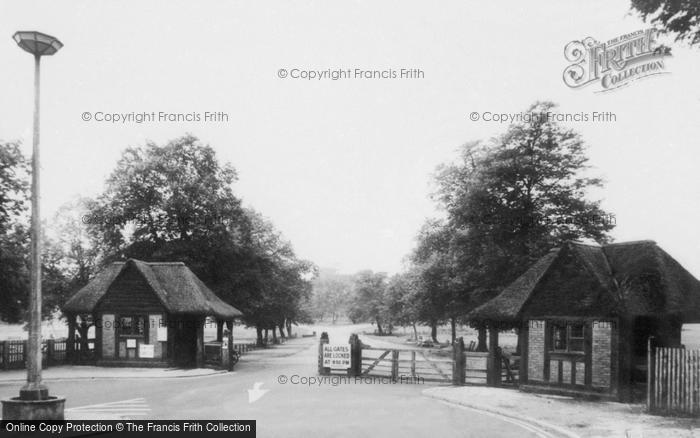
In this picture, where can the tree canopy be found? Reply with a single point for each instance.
(176, 202)
(507, 201)
(680, 18)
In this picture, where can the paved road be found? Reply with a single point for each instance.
(286, 410)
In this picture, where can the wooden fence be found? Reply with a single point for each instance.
(673, 381)
(54, 352)
(213, 351)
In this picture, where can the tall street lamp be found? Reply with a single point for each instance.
(34, 402)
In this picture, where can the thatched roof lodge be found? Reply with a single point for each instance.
(586, 313)
(148, 313)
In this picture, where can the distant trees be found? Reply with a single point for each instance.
(331, 295)
(384, 301)
(369, 301)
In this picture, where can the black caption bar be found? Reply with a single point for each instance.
(68, 428)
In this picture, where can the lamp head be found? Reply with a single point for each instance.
(37, 43)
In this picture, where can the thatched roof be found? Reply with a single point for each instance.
(177, 288)
(632, 278)
(506, 306)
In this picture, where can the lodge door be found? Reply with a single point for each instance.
(185, 344)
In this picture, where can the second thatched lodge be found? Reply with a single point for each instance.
(148, 314)
(587, 313)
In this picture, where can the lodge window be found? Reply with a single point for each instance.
(132, 325)
(568, 337)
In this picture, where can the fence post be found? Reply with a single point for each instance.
(355, 355)
(6, 355)
(321, 370)
(229, 344)
(413, 364)
(394, 365)
(650, 373)
(50, 349)
(494, 359)
(458, 374)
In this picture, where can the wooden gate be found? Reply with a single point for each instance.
(450, 365)
(673, 381)
(407, 365)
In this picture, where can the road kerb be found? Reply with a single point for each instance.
(529, 420)
(113, 377)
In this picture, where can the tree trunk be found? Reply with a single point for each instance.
(433, 331)
(481, 345)
(266, 336)
(379, 328)
(415, 331)
(274, 335)
(260, 335)
(453, 324)
(281, 327)
(289, 328)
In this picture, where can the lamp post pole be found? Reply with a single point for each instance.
(34, 402)
(34, 389)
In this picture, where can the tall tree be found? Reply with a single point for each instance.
(14, 177)
(402, 298)
(507, 201)
(680, 18)
(14, 236)
(438, 299)
(158, 194)
(175, 202)
(511, 199)
(14, 244)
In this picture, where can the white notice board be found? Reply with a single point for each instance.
(162, 333)
(336, 356)
(146, 350)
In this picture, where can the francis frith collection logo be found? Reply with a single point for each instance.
(616, 62)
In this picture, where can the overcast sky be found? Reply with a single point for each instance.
(343, 168)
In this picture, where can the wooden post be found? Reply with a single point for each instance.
(97, 352)
(355, 356)
(199, 359)
(650, 373)
(70, 343)
(413, 364)
(394, 365)
(219, 330)
(50, 352)
(229, 326)
(524, 345)
(494, 359)
(324, 340)
(458, 362)
(6, 354)
(625, 360)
